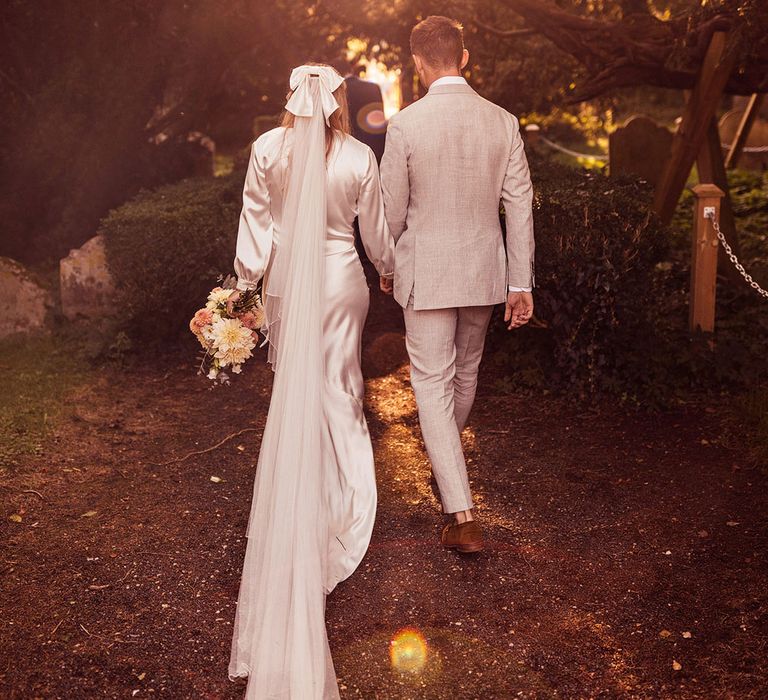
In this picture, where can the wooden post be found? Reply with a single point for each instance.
(704, 259)
(742, 132)
(711, 169)
(699, 111)
(532, 134)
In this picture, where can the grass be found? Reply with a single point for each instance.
(36, 373)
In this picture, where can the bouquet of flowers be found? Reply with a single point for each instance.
(227, 340)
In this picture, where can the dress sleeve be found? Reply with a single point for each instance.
(374, 232)
(254, 233)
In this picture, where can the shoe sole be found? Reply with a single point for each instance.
(465, 548)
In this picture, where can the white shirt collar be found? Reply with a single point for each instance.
(448, 80)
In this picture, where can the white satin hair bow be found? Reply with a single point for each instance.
(300, 102)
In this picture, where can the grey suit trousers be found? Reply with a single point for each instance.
(445, 347)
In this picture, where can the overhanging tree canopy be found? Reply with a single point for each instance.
(639, 45)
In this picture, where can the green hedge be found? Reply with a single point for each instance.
(596, 312)
(167, 247)
(596, 251)
(612, 299)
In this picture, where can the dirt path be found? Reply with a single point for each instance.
(619, 544)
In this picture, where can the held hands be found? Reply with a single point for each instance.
(386, 284)
(519, 309)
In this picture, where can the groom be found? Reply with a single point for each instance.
(450, 158)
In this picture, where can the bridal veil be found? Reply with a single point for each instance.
(280, 641)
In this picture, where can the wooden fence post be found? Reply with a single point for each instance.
(711, 169)
(704, 258)
(532, 135)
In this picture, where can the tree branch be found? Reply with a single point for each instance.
(503, 33)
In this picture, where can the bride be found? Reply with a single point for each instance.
(314, 495)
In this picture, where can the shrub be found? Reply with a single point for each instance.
(167, 247)
(596, 312)
(612, 296)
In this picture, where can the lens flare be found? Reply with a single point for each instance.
(408, 651)
(389, 82)
(377, 72)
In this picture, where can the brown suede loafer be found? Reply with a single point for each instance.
(465, 538)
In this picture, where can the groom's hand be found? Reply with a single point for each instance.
(386, 284)
(519, 309)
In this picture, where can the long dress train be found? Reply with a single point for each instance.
(279, 639)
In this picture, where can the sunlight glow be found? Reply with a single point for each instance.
(377, 72)
(408, 651)
(389, 82)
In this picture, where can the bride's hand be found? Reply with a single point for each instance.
(231, 304)
(386, 284)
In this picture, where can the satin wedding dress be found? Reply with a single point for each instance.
(313, 507)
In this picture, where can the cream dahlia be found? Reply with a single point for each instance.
(219, 295)
(232, 341)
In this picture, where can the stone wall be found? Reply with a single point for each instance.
(24, 305)
(87, 289)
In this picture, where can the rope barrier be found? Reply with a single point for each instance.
(605, 158)
(746, 149)
(575, 154)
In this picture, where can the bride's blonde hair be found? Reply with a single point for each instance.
(339, 120)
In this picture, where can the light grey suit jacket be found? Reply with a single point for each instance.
(449, 159)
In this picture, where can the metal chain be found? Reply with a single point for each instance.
(729, 252)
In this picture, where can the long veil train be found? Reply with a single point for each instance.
(280, 641)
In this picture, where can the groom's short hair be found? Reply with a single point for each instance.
(439, 41)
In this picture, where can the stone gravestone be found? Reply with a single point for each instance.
(24, 304)
(87, 288)
(641, 148)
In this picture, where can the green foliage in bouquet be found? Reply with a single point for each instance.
(166, 249)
